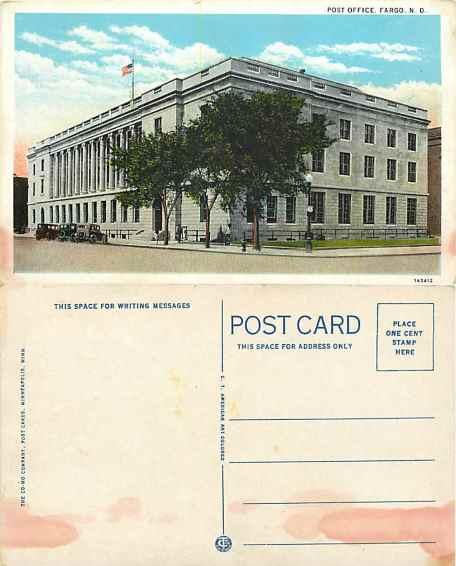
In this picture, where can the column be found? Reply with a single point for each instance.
(76, 170)
(51, 176)
(84, 168)
(93, 168)
(122, 145)
(112, 182)
(102, 163)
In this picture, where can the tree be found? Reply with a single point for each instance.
(211, 181)
(267, 141)
(155, 167)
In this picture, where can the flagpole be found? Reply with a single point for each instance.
(133, 79)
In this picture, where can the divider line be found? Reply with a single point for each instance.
(359, 502)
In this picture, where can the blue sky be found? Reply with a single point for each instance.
(68, 65)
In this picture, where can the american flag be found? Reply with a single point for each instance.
(127, 69)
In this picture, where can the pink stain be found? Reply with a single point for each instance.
(124, 508)
(450, 246)
(383, 525)
(20, 160)
(21, 529)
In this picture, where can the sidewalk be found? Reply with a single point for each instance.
(288, 252)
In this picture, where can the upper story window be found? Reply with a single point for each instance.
(317, 84)
(345, 129)
(369, 166)
(205, 72)
(391, 169)
(345, 92)
(344, 163)
(33, 188)
(157, 89)
(411, 172)
(411, 109)
(318, 160)
(370, 98)
(369, 133)
(411, 141)
(292, 77)
(158, 125)
(42, 186)
(254, 68)
(273, 72)
(391, 137)
(34, 169)
(42, 165)
(392, 104)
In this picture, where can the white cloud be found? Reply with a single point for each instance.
(414, 93)
(152, 38)
(98, 40)
(185, 59)
(284, 54)
(382, 50)
(69, 46)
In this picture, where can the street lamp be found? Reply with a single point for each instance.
(307, 190)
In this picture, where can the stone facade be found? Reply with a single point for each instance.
(380, 152)
(435, 180)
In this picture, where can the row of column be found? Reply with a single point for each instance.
(86, 168)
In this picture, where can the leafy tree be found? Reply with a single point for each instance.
(211, 180)
(266, 140)
(155, 167)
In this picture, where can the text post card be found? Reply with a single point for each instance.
(231, 424)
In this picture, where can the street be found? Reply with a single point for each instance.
(44, 256)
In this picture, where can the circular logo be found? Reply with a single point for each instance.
(223, 543)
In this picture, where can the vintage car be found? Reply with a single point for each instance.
(46, 231)
(67, 232)
(90, 233)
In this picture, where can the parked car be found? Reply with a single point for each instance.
(90, 233)
(67, 232)
(47, 231)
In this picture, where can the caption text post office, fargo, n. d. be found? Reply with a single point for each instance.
(374, 177)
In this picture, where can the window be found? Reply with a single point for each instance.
(34, 216)
(34, 168)
(63, 214)
(78, 213)
(51, 214)
(42, 165)
(345, 129)
(103, 211)
(42, 215)
(411, 172)
(33, 188)
(317, 200)
(290, 210)
(157, 89)
(57, 214)
(370, 98)
(124, 213)
(411, 142)
(85, 212)
(391, 203)
(368, 209)
(316, 117)
(392, 104)
(204, 72)
(391, 137)
(391, 169)
(203, 208)
(411, 211)
(344, 163)
(319, 85)
(94, 212)
(70, 213)
(42, 186)
(369, 166)
(292, 77)
(137, 130)
(345, 92)
(318, 160)
(369, 133)
(158, 125)
(411, 109)
(273, 72)
(253, 68)
(136, 214)
(113, 210)
(271, 210)
(344, 208)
